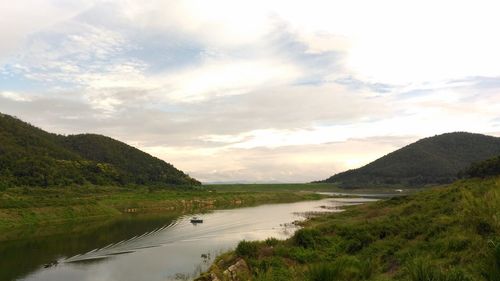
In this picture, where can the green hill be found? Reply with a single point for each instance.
(486, 168)
(429, 161)
(30, 156)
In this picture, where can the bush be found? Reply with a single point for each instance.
(272, 241)
(247, 249)
(303, 255)
(307, 238)
(265, 264)
(323, 272)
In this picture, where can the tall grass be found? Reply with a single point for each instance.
(483, 211)
(422, 270)
(492, 269)
(344, 268)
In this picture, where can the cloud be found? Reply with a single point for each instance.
(222, 78)
(259, 91)
(14, 96)
(281, 164)
(22, 18)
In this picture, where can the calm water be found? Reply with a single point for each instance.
(150, 248)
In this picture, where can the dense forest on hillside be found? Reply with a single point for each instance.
(430, 161)
(30, 156)
(483, 169)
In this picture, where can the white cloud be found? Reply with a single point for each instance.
(15, 96)
(225, 78)
(263, 90)
(22, 18)
(281, 164)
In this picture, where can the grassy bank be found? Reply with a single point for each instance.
(296, 187)
(447, 233)
(44, 206)
(272, 187)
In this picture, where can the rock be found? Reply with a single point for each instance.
(214, 277)
(237, 269)
(211, 277)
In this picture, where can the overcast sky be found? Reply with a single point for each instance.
(260, 91)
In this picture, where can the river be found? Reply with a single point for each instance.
(153, 248)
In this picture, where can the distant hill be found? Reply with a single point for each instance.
(429, 161)
(30, 156)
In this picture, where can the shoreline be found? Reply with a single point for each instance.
(21, 209)
(444, 231)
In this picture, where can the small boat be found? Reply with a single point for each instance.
(195, 220)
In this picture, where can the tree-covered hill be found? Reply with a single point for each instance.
(30, 156)
(141, 167)
(483, 169)
(429, 161)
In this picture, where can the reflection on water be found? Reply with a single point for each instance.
(20, 256)
(150, 248)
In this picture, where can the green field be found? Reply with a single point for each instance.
(449, 233)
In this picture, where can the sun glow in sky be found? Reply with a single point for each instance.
(261, 91)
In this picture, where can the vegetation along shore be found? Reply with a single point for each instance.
(28, 207)
(447, 233)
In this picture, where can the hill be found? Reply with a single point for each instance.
(429, 161)
(486, 168)
(30, 156)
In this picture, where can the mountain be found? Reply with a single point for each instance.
(429, 161)
(30, 156)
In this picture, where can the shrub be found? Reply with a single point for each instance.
(307, 238)
(303, 255)
(247, 249)
(353, 245)
(272, 241)
(323, 272)
(265, 264)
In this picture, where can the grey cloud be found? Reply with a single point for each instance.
(139, 119)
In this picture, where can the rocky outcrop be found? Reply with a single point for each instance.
(237, 270)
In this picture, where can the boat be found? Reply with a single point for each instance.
(195, 220)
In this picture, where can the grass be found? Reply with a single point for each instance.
(449, 233)
(283, 187)
(27, 207)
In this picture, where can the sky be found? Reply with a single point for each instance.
(253, 91)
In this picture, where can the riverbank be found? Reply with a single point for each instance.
(28, 207)
(300, 187)
(449, 233)
(154, 247)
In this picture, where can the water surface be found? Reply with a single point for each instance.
(151, 248)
